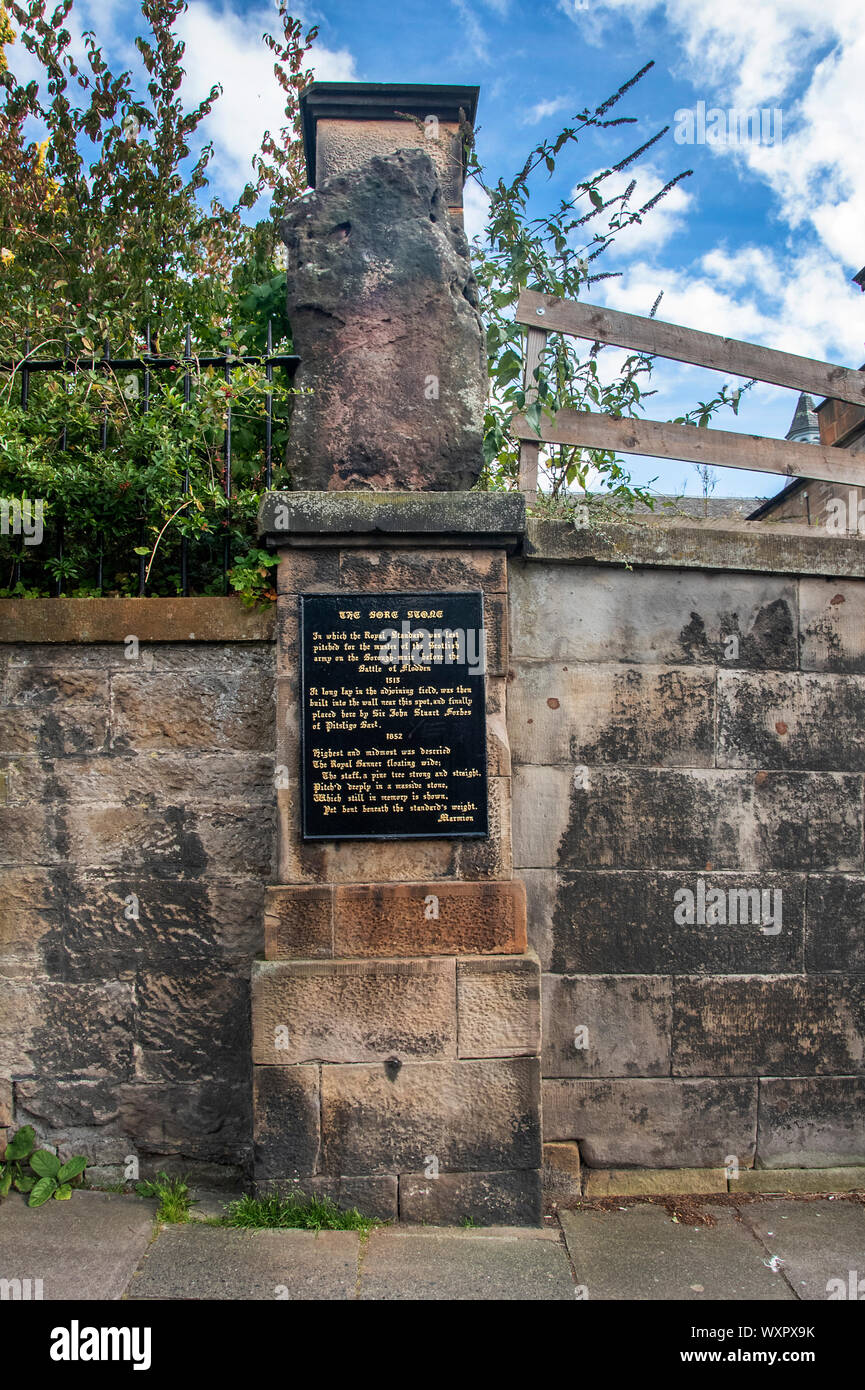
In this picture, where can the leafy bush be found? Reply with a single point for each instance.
(48, 1176)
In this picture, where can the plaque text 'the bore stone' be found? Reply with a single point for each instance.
(393, 730)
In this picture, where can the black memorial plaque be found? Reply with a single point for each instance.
(393, 731)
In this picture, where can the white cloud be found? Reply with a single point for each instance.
(475, 208)
(222, 46)
(542, 109)
(658, 225)
(475, 33)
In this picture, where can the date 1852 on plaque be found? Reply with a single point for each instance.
(393, 742)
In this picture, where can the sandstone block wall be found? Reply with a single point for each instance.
(137, 833)
(666, 726)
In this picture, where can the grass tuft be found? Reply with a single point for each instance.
(295, 1213)
(174, 1197)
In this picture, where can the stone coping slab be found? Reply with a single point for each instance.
(148, 619)
(431, 518)
(723, 544)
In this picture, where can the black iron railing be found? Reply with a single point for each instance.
(147, 364)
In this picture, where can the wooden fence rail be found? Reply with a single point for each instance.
(544, 314)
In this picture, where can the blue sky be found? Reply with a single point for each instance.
(760, 243)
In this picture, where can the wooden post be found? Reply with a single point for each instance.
(530, 448)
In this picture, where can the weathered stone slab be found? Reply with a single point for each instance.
(610, 1025)
(82, 1250)
(57, 1029)
(392, 569)
(623, 922)
(562, 613)
(383, 308)
(510, 1198)
(795, 720)
(798, 1180)
(631, 1182)
(541, 890)
(412, 517)
(612, 714)
(541, 814)
(472, 1116)
(54, 712)
(149, 619)
(811, 1122)
(654, 1123)
(174, 841)
(175, 1033)
(499, 1006)
(353, 1011)
(560, 1174)
(433, 918)
(711, 819)
(111, 925)
(298, 922)
(640, 1254)
(204, 1121)
(287, 1135)
(205, 1262)
(832, 624)
(491, 1265)
(201, 712)
(744, 1025)
(817, 1245)
(835, 922)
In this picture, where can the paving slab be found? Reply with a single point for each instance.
(211, 1262)
(86, 1248)
(820, 1244)
(639, 1252)
(442, 1263)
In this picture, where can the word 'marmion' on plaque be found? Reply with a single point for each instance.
(393, 700)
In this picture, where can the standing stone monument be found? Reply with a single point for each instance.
(396, 1015)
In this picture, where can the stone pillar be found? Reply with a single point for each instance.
(396, 1051)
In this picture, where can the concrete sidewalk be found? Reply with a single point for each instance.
(108, 1246)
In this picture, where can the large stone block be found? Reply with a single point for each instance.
(433, 918)
(191, 710)
(611, 1025)
(612, 714)
(565, 613)
(381, 570)
(54, 711)
(654, 1123)
(832, 621)
(51, 1028)
(711, 819)
(499, 1006)
(383, 308)
(353, 1011)
(795, 720)
(560, 1175)
(113, 924)
(209, 1121)
(835, 923)
(510, 1198)
(811, 1122)
(298, 922)
(471, 1116)
(286, 1130)
(193, 1023)
(745, 1025)
(623, 922)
